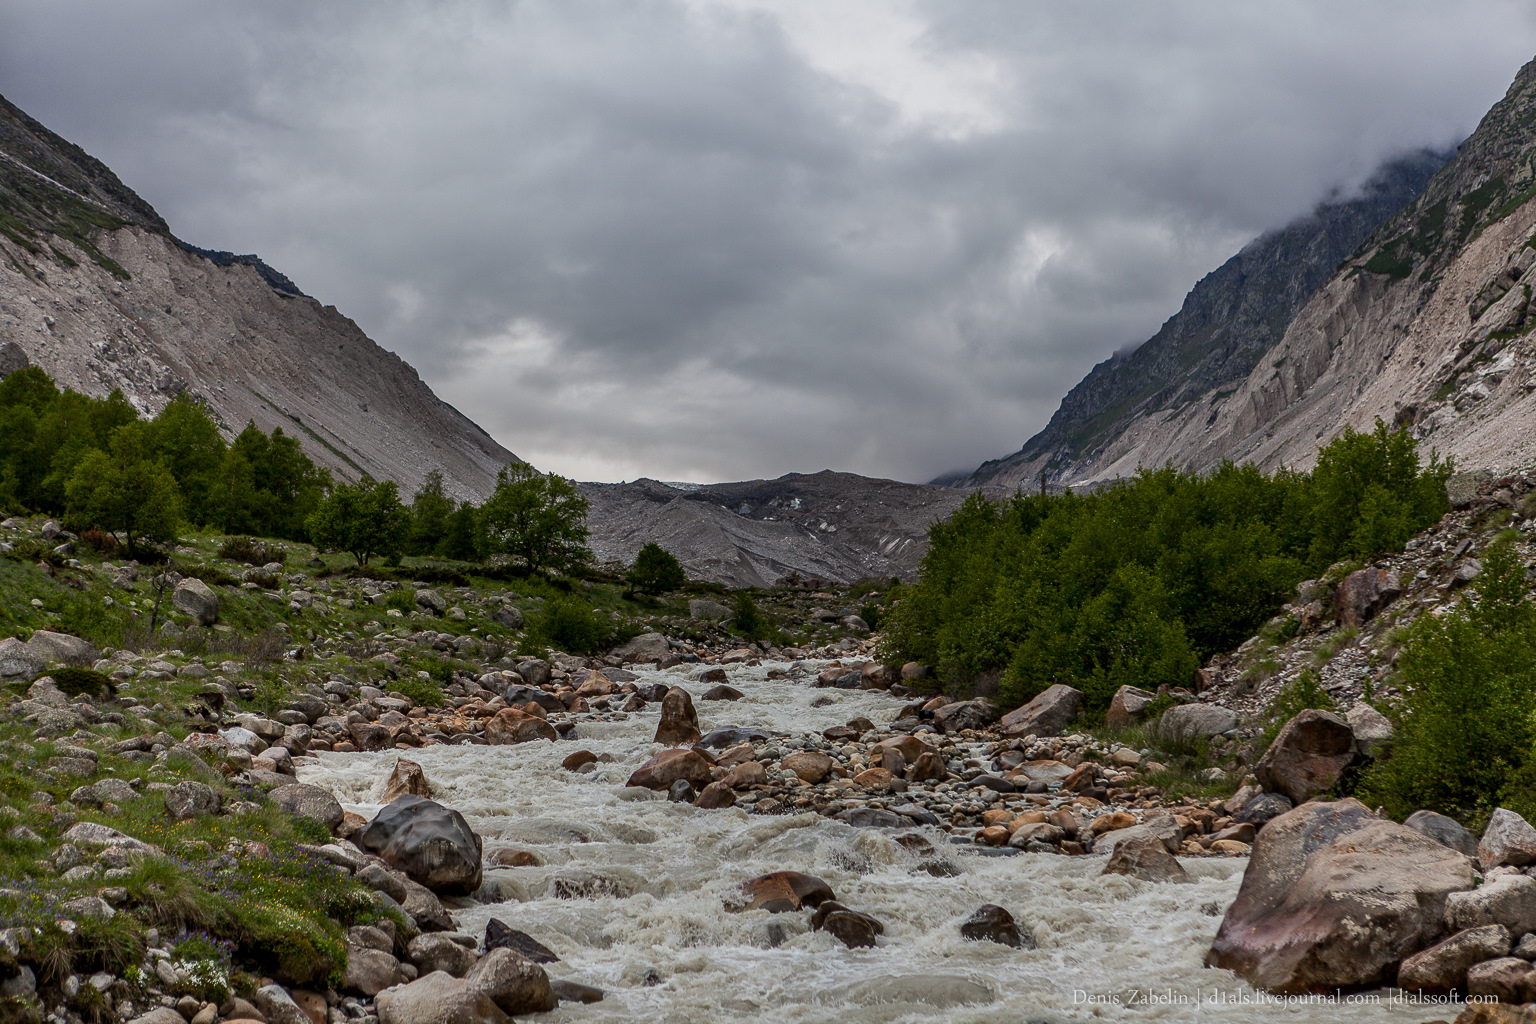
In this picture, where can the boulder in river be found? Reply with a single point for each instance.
(500, 936)
(679, 725)
(1147, 858)
(1264, 808)
(851, 927)
(992, 923)
(1334, 896)
(408, 779)
(781, 891)
(432, 844)
(1046, 715)
(1308, 756)
(669, 766)
(513, 725)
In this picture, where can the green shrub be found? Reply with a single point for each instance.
(1464, 723)
(251, 552)
(571, 625)
(655, 571)
(1140, 582)
(747, 620)
(402, 599)
(83, 682)
(426, 692)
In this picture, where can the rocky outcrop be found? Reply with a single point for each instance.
(1427, 324)
(1228, 321)
(1334, 896)
(128, 306)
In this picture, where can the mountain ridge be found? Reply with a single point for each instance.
(1228, 320)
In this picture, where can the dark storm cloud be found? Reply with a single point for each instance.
(697, 239)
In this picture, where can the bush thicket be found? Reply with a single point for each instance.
(94, 461)
(656, 571)
(1141, 581)
(1465, 737)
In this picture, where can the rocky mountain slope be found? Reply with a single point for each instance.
(1427, 324)
(1229, 320)
(834, 526)
(96, 290)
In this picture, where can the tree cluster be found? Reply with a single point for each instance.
(1140, 582)
(96, 463)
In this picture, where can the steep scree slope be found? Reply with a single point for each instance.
(1228, 321)
(1428, 324)
(95, 290)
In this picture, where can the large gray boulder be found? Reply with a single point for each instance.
(1308, 756)
(709, 611)
(502, 983)
(1508, 839)
(438, 998)
(1046, 715)
(1128, 707)
(1190, 723)
(431, 843)
(644, 649)
(1509, 900)
(1443, 966)
(1334, 896)
(306, 801)
(964, 714)
(1161, 828)
(61, 648)
(1445, 831)
(12, 358)
(197, 599)
(1372, 729)
(18, 663)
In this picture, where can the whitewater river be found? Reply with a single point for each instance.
(631, 897)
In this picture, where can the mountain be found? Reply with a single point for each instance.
(834, 526)
(1228, 321)
(96, 290)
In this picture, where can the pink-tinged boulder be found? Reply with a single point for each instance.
(669, 766)
(1128, 707)
(513, 725)
(1046, 715)
(1334, 896)
(1443, 966)
(1308, 756)
(679, 725)
(1361, 595)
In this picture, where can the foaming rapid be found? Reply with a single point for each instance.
(632, 895)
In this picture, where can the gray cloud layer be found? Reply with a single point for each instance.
(715, 239)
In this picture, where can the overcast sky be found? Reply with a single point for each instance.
(722, 239)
